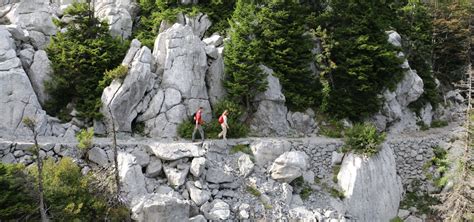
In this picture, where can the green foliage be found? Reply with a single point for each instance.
(416, 28)
(422, 125)
(16, 201)
(79, 57)
(244, 78)
(241, 148)
(335, 171)
(396, 219)
(84, 137)
(287, 51)
(420, 200)
(253, 191)
(334, 192)
(451, 41)
(439, 123)
(363, 139)
(332, 128)
(153, 12)
(118, 72)
(70, 196)
(441, 165)
(213, 128)
(366, 62)
(301, 187)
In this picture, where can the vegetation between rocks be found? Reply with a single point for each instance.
(363, 139)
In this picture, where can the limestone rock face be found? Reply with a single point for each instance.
(119, 14)
(215, 77)
(270, 118)
(17, 97)
(301, 122)
(266, 151)
(395, 111)
(289, 166)
(161, 208)
(131, 177)
(181, 62)
(122, 99)
(199, 23)
(34, 16)
(39, 72)
(371, 186)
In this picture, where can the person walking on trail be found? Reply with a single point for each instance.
(224, 125)
(197, 124)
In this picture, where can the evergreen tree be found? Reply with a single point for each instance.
(79, 56)
(365, 62)
(287, 50)
(416, 29)
(244, 78)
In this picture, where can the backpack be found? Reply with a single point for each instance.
(221, 119)
(193, 120)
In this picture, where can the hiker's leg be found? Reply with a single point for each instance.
(201, 131)
(224, 132)
(194, 133)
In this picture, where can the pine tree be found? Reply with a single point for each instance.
(242, 56)
(365, 62)
(79, 56)
(287, 46)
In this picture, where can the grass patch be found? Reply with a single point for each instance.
(302, 188)
(396, 219)
(334, 192)
(333, 129)
(363, 139)
(253, 191)
(422, 125)
(335, 170)
(241, 148)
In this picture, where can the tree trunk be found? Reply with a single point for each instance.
(39, 162)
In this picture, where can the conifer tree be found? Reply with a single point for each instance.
(242, 56)
(287, 46)
(79, 56)
(365, 62)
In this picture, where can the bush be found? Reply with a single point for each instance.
(84, 137)
(70, 196)
(118, 72)
(363, 139)
(213, 128)
(438, 123)
(16, 199)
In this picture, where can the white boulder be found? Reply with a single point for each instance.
(175, 151)
(289, 166)
(266, 151)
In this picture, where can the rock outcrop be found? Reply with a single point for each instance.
(119, 14)
(39, 72)
(270, 117)
(371, 186)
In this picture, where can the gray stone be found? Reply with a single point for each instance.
(215, 78)
(176, 176)
(403, 214)
(9, 158)
(217, 210)
(412, 218)
(26, 57)
(142, 156)
(245, 165)
(197, 166)
(336, 157)
(198, 218)
(161, 208)
(268, 150)
(199, 196)
(118, 13)
(301, 122)
(211, 51)
(154, 168)
(39, 72)
(175, 151)
(199, 23)
(34, 16)
(120, 100)
(373, 181)
(215, 40)
(218, 175)
(98, 155)
(301, 213)
(289, 166)
(131, 177)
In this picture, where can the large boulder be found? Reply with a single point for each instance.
(371, 186)
(215, 78)
(395, 111)
(266, 151)
(217, 210)
(33, 15)
(121, 99)
(17, 97)
(301, 122)
(119, 14)
(181, 61)
(131, 177)
(270, 118)
(289, 166)
(175, 151)
(39, 72)
(161, 208)
(199, 23)
(199, 196)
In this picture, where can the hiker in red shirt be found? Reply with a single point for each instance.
(198, 122)
(224, 126)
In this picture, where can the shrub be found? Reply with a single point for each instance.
(363, 139)
(301, 187)
(396, 219)
(84, 137)
(333, 128)
(253, 191)
(438, 123)
(118, 72)
(16, 199)
(70, 196)
(241, 148)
